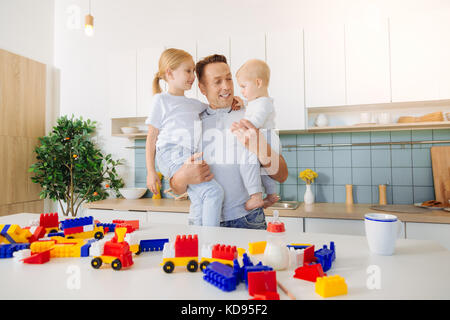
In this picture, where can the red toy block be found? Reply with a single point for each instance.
(224, 252)
(261, 282)
(266, 296)
(186, 246)
(73, 230)
(37, 233)
(133, 223)
(309, 272)
(49, 220)
(308, 255)
(38, 258)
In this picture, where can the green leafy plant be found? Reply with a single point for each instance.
(70, 168)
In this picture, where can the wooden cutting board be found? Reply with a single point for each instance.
(440, 161)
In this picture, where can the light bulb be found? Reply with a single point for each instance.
(89, 25)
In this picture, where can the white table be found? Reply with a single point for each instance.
(418, 270)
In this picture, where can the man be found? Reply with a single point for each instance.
(216, 83)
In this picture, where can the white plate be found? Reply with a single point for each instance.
(431, 208)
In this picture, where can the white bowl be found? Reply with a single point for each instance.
(129, 129)
(132, 193)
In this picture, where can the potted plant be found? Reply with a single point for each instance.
(308, 176)
(71, 169)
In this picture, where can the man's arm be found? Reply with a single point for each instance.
(193, 171)
(255, 142)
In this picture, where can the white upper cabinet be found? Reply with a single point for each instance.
(122, 84)
(367, 62)
(207, 46)
(325, 65)
(244, 48)
(285, 58)
(415, 57)
(147, 67)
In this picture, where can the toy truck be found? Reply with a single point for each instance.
(83, 227)
(182, 252)
(218, 253)
(115, 252)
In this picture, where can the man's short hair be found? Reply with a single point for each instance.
(200, 66)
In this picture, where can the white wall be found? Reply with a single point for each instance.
(135, 24)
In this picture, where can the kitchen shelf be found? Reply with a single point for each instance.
(383, 127)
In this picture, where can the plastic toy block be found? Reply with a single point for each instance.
(221, 276)
(152, 244)
(55, 234)
(331, 286)
(241, 273)
(295, 257)
(108, 227)
(38, 258)
(308, 255)
(240, 251)
(36, 233)
(133, 223)
(186, 246)
(21, 254)
(76, 222)
(267, 296)
(8, 250)
(12, 233)
(261, 282)
(224, 252)
(257, 247)
(41, 246)
(49, 220)
(309, 272)
(299, 245)
(85, 249)
(120, 234)
(326, 256)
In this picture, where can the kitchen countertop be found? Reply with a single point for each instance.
(417, 270)
(316, 210)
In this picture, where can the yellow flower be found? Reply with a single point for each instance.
(308, 176)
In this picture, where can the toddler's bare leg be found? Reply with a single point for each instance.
(255, 201)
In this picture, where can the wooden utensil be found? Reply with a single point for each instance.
(382, 194)
(349, 194)
(440, 161)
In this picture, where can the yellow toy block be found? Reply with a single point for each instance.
(14, 234)
(257, 247)
(120, 232)
(65, 250)
(41, 246)
(240, 251)
(157, 195)
(331, 286)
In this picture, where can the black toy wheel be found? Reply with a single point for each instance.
(116, 265)
(139, 251)
(168, 267)
(98, 235)
(203, 265)
(96, 263)
(192, 266)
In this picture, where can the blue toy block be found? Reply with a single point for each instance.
(5, 234)
(221, 276)
(56, 234)
(152, 244)
(241, 272)
(297, 246)
(111, 226)
(7, 250)
(256, 268)
(85, 249)
(77, 222)
(326, 256)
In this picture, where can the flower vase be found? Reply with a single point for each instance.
(309, 195)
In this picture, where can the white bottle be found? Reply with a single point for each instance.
(276, 254)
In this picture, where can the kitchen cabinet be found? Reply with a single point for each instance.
(284, 52)
(415, 63)
(167, 217)
(147, 67)
(325, 65)
(209, 45)
(122, 84)
(244, 48)
(339, 226)
(367, 62)
(291, 224)
(438, 232)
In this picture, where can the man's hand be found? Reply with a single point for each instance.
(249, 136)
(193, 171)
(237, 104)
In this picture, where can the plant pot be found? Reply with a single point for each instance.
(308, 198)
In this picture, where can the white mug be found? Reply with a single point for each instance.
(382, 231)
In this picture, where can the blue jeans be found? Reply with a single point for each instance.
(254, 220)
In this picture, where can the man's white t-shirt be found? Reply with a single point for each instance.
(177, 119)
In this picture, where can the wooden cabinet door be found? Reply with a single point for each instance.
(285, 59)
